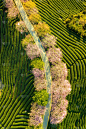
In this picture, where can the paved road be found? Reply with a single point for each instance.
(43, 56)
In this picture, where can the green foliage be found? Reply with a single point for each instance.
(42, 29)
(41, 97)
(28, 39)
(34, 18)
(29, 7)
(37, 63)
(67, 20)
(0, 92)
(84, 12)
(74, 22)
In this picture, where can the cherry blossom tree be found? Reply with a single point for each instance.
(21, 27)
(57, 71)
(38, 73)
(12, 9)
(48, 41)
(32, 51)
(54, 55)
(40, 84)
(36, 114)
(42, 29)
(28, 39)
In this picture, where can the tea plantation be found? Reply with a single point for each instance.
(15, 67)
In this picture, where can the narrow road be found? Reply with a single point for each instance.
(44, 58)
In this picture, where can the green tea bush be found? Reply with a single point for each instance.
(41, 97)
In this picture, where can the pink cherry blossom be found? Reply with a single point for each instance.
(54, 55)
(32, 51)
(40, 84)
(38, 73)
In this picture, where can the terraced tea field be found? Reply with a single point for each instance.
(15, 66)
